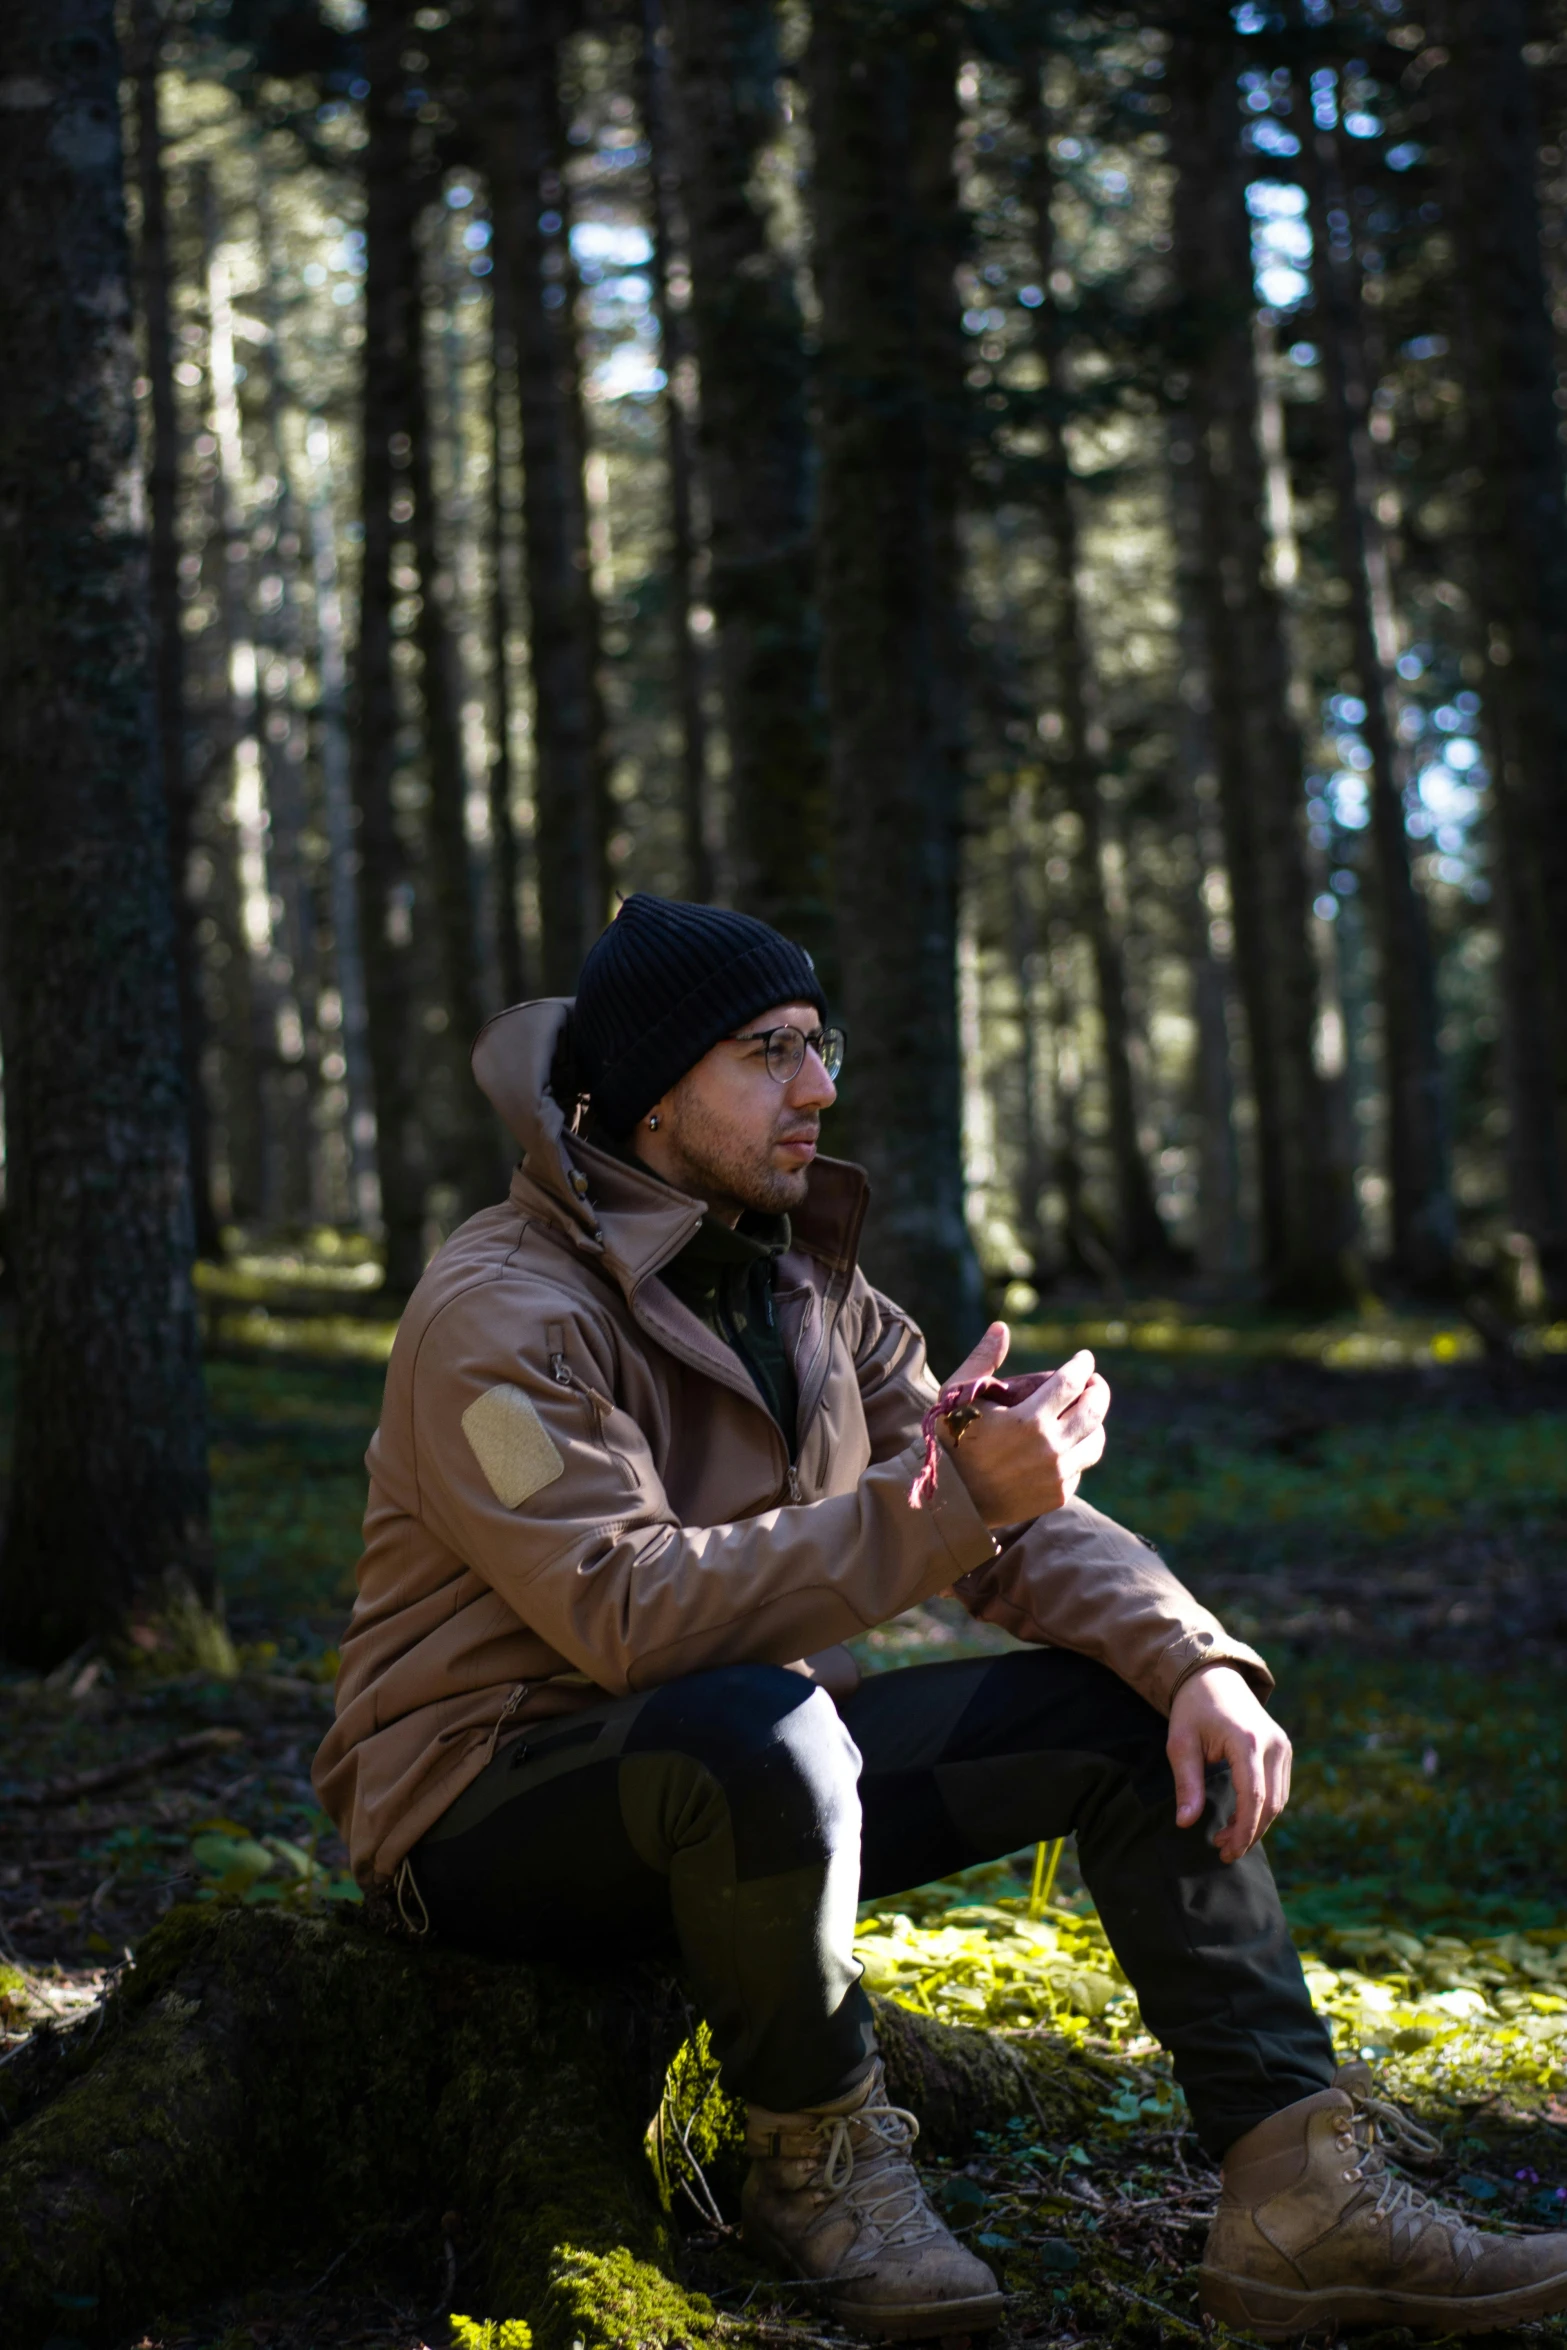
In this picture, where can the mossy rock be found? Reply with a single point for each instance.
(262, 2083)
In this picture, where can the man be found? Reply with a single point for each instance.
(645, 1457)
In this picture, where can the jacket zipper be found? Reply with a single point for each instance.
(504, 1716)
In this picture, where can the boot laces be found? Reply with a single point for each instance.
(1379, 2128)
(901, 2212)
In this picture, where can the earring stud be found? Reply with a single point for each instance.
(653, 1121)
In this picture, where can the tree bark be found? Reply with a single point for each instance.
(284, 748)
(524, 148)
(468, 1149)
(342, 849)
(1033, 1120)
(891, 437)
(1141, 1241)
(1304, 1187)
(505, 858)
(1419, 1153)
(756, 462)
(1508, 359)
(109, 1499)
(163, 483)
(385, 887)
(674, 341)
(262, 2083)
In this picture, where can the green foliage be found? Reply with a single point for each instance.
(1415, 1476)
(506, 2333)
(1425, 1796)
(1458, 2018)
(235, 1866)
(288, 1480)
(698, 2130)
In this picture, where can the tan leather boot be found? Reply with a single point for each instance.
(832, 2199)
(1313, 2229)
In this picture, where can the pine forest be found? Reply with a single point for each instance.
(1059, 509)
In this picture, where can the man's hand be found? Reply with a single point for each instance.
(1024, 1460)
(1215, 1718)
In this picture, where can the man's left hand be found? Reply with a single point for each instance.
(1215, 1718)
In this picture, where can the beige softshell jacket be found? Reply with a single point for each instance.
(575, 1488)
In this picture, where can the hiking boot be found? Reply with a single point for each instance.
(832, 2199)
(1313, 2229)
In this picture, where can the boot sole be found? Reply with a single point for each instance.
(1275, 2313)
(948, 2322)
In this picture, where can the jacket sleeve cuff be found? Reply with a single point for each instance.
(1197, 1652)
(968, 1540)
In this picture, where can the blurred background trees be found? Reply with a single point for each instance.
(1062, 508)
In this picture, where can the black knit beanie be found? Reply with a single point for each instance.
(660, 988)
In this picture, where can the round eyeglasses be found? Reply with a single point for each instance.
(786, 1049)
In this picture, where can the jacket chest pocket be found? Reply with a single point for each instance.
(595, 1407)
(835, 1448)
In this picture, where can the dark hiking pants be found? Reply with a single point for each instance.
(738, 1816)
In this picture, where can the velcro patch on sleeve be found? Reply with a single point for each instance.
(511, 1445)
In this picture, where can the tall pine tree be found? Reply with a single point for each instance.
(108, 1507)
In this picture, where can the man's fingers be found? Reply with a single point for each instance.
(1061, 1390)
(1078, 1457)
(1250, 1789)
(1278, 1782)
(1088, 1413)
(1190, 1791)
(986, 1359)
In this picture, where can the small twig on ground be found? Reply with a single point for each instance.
(333, 2266)
(1219, 2333)
(1028, 2087)
(450, 2286)
(136, 1766)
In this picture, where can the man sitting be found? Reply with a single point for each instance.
(645, 1456)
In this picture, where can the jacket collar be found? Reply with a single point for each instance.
(628, 1221)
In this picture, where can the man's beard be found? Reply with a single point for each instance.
(717, 1169)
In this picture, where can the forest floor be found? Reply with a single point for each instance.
(1380, 1509)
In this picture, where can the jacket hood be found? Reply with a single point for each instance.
(635, 1220)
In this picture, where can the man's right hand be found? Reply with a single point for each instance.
(1025, 1459)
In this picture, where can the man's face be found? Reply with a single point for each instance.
(731, 1133)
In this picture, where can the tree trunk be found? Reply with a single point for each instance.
(253, 985)
(524, 147)
(1508, 358)
(156, 275)
(109, 1495)
(505, 860)
(262, 2083)
(1141, 1241)
(1419, 1154)
(343, 859)
(891, 437)
(468, 1150)
(1304, 1188)
(285, 745)
(674, 341)
(756, 461)
(385, 888)
(1033, 1121)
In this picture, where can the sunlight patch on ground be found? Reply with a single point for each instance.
(1437, 2016)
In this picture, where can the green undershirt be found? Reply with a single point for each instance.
(726, 1276)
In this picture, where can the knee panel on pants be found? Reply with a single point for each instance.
(776, 1749)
